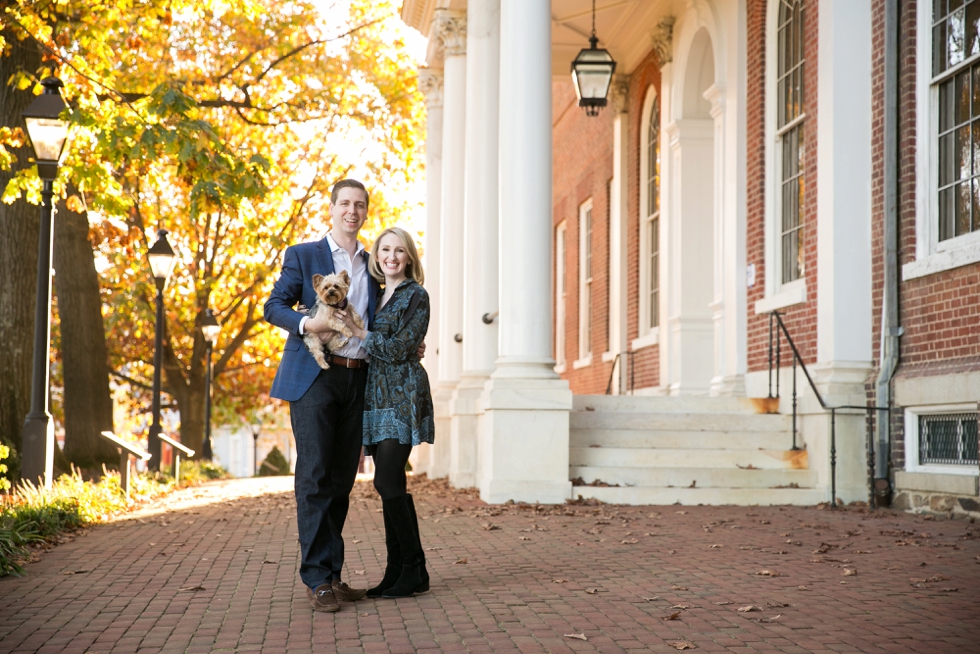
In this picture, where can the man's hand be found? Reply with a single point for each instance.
(421, 351)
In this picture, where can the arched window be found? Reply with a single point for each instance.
(790, 135)
(653, 214)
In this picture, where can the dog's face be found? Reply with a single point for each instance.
(331, 289)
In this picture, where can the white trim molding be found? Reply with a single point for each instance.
(586, 294)
(644, 327)
(789, 295)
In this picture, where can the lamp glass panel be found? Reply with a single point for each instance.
(592, 73)
(48, 137)
(162, 265)
(211, 332)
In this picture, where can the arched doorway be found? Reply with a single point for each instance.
(690, 276)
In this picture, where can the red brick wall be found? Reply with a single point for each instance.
(583, 166)
(801, 320)
(646, 362)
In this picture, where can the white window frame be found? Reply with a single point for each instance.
(777, 294)
(586, 288)
(648, 334)
(561, 286)
(912, 439)
(931, 255)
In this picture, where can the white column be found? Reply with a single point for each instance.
(450, 29)
(716, 96)
(480, 234)
(843, 228)
(524, 424)
(619, 233)
(430, 83)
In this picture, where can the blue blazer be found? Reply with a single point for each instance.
(298, 369)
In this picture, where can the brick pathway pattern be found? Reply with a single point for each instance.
(214, 569)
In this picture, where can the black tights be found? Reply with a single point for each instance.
(390, 458)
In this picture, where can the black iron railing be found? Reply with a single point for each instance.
(629, 371)
(777, 330)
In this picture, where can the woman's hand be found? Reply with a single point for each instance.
(349, 322)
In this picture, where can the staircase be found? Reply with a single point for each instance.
(685, 450)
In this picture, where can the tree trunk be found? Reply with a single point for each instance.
(87, 401)
(189, 396)
(19, 233)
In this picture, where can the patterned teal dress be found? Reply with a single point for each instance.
(397, 400)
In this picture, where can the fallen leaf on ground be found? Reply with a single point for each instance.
(559, 581)
(489, 526)
(74, 572)
(678, 587)
(772, 619)
(576, 636)
(462, 561)
(673, 616)
(650, 599)
(767, 573)
(682, 645)
(682, 607)
(722, 603)
(949, 590)
(358, 572)
(802, 588)
(715, 546)
(524, 538)
(591, 591)
(932, 578)
(629, 541)
(850, 572)
(748, 609)
(191, 588)
(268, 561)
(773, 603)
(433, 548)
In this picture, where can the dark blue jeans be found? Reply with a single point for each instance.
(326, 423)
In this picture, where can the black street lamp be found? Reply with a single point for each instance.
(592, 73)
(210, 328)
(48, 134)
(256, 430)
(162, 259)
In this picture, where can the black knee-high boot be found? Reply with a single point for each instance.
(393, 566)
(415, 521)
(410, 580)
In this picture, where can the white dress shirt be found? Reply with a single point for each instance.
(356, 296)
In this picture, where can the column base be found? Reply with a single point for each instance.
(463, 429)
(442, 447)
(523, 443)
(728, 386)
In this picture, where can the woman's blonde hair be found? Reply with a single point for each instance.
(413, 270)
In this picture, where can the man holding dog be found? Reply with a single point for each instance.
(325, 406)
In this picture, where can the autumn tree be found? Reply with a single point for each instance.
(225, 123)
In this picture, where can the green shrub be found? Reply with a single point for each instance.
(14, 539)
(198, 470)
(275, 464)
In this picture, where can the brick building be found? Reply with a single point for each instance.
(805, 157)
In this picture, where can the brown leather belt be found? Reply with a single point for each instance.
(345, 362)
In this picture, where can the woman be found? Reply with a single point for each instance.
(397, 404)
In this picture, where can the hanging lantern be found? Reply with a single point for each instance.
(592, 73)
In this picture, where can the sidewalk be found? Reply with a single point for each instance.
(214, 569)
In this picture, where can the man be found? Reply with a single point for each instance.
(325, 406)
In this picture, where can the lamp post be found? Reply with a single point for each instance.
(592, 73)
(256, 430)
(48, 134)
(210, 328)
(162, 259)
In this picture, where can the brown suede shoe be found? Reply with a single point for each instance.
(345, 593)
(323, 599)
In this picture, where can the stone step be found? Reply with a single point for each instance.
(702, 477)
(707, 496)
(648, 404)
(680, 421)
(657, 438)
(631, 457)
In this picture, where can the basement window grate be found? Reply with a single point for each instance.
(948, 438)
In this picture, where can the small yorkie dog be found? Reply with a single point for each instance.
(331, 296)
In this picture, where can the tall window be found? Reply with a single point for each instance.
(652, 251)
(791, 136)
(560, 286)
(956, 73)
(585, 280)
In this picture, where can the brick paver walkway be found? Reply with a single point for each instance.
(214, 569)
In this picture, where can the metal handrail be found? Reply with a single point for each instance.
(127, 451)
(775, 318)
(612, 371)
